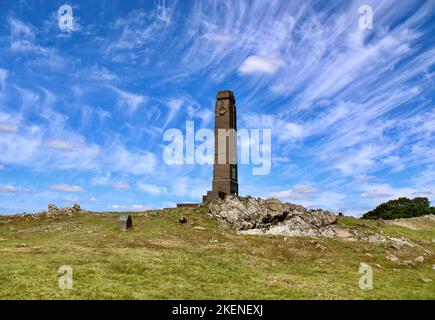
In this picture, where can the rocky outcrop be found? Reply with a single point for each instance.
(255, 216)
(272, 217)
(53, 210)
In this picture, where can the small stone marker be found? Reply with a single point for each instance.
(125, 222)
(182, 220)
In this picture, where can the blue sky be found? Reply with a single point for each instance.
(82, 113)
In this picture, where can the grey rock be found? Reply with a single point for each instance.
(52, 208)
(392, 258)
(425, 280)
(53, 211)
(419, 259)
(270, 217)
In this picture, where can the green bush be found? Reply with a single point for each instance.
(401, 208)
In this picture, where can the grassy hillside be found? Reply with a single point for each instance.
(163, 259)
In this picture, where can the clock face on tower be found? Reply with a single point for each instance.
(222, 109)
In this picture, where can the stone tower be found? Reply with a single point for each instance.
(225, 147)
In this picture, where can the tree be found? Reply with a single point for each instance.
(401, 208)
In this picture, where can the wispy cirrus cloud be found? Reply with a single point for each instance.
(299, 192)
(62, 145)
(120, 185)
(129, 100)
(350, 110)
(66, 188)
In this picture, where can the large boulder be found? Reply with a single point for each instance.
(53, 210)
(257, 216)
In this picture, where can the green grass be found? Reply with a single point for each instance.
(163, 259)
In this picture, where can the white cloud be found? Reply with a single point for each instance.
(283, 131)
(384, 191)
(102, 179)
(23, 39)
(191, 188)
(222, 38)
(375, 193)
(31, 147)
(426, 179)
(174, 106)
(361, 159)
(163, 13)
(119, 159)
(66, 188)
(329, 200)
(136, 32)
(298, 192)
(92, 200)
(134, 207)
(62, 145)
(7, 127)
(279, 159)
(312, 198)
(9, 189)
(129, 100)
(205, 115)
(364, 177)
(268, 64)
(121, 185)
(151, 189)
(100, 73)
(138, 207)
(78, 200)
(280, 88)
(118, 207)
(20, 29)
